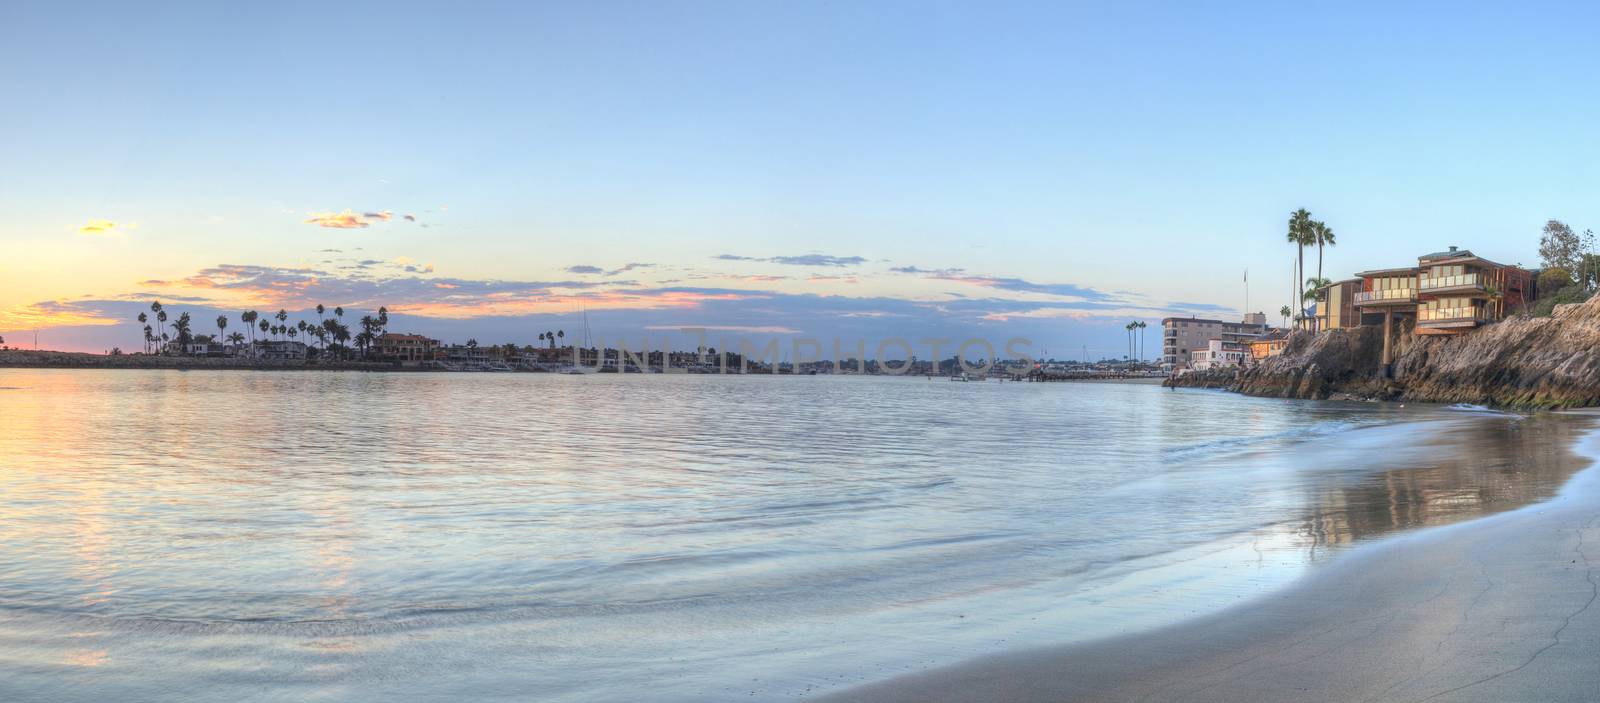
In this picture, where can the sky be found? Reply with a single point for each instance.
(1042, 170)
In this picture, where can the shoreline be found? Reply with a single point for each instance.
(1496, 608)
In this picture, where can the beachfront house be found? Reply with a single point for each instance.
(280, 350)
(1219, 353)
(1458, 291)
(408, 349)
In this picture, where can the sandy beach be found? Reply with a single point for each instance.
(1495, 609)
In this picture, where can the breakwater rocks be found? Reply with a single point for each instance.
(1521, 362)
(17, 358)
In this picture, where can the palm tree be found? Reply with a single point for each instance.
(552, 337)
(541, 336)
(181, 326)
(562, 334)
(236, 339)
(1323, 235)
(1142, 326)
(161, 323)
(249, 319)
(341, 335)
(321, 324)
(222, 326)
(142, 320)
(1285, 312)
(1301, 235)
(265, 326)
(1313, 285)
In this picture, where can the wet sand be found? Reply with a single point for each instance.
(1500, 608)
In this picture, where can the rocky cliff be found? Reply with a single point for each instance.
(1525, 362)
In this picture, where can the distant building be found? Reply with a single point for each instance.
(280, 350)
(406, 348)
(1181, 337)
(1219, 354)
(1269, 344)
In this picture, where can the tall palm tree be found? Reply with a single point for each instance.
(265, 326)
(222, 326)
(249, 317)
(1142, 326)
(1323, 235)
(541, 336)
(142, 320)
(1300, 235)
(1285, 312)
(562, 334)
(552, 337)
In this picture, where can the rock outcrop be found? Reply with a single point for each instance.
(1523, 362)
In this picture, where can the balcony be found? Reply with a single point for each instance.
(1392, 296)
(1448, 318)
(1464, 283)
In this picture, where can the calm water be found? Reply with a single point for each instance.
(339, 536)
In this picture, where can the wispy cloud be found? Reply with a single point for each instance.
(338, 220)
(353, 220)
(103, 227)
(800, 260)
(587, 270)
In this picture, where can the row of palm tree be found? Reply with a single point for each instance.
(1306, 232)
(329, 334)
(1135, 347)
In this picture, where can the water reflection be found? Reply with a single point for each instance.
(1457, 469)
(429, 536)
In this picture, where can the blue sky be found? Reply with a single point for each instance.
(1048, 170)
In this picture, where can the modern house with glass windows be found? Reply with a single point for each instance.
(1447, 292)
(1458, 291)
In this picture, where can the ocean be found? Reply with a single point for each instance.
(267, 536)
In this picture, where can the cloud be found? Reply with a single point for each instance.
(820, 278)
(587, 270)
(931, 272)
(103, 227)
(801, 260)
(1200, 307)
(817, 260)
(340, 220)
(352, 220)
(1015, 285)
(629, 267)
